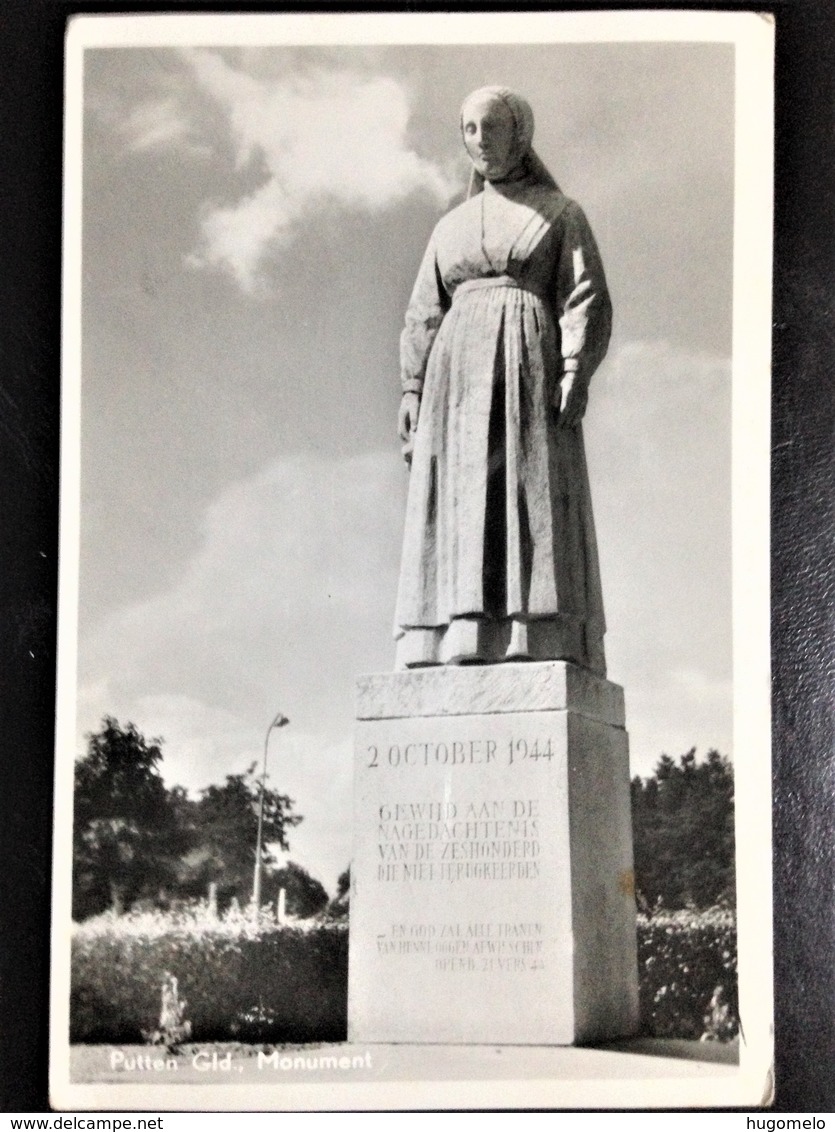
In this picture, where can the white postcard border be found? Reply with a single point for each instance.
(715, 1085)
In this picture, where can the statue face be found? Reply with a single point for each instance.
(490, 135)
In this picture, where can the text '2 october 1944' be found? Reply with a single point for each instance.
(461, 752)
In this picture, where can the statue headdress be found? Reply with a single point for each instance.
(523, 122)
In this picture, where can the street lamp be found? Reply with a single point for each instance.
(279, 721)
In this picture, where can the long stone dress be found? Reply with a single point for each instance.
(499, 554)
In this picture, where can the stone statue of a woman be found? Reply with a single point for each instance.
(509, 318)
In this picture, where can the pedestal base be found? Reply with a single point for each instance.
(492, 889)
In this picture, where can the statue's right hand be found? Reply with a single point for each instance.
(407, 419)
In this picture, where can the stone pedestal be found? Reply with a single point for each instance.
(492, 895)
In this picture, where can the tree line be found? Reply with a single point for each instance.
(683, 833)
(136, 841)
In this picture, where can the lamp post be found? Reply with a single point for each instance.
(279, 721)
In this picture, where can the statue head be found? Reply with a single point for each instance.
(497, 127)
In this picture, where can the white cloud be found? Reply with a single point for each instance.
(695, 685)
(289, 596)
(156, 124)
(330, 136)
(306, 140)
(150, 122)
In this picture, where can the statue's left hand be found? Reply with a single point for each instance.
(573, 393)
(407, 419)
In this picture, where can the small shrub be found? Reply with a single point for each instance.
(721, 1024)
(174, 1027)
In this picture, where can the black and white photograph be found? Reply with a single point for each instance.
(413, 718)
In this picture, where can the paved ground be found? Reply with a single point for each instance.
(226, 1063)
(638, 1074)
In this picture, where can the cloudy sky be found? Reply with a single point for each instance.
(253, 219)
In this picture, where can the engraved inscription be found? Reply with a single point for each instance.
(460, 752)
(457, 841)
(473, 946)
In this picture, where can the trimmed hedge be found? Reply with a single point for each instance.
(687, 971)
(240, 980)
(258, 982)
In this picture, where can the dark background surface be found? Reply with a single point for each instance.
(803, 492)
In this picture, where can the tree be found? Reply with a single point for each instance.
(304, 895)
(343, 884)
(222, 835)
(339, 907)
(126, 839)
(683, 832)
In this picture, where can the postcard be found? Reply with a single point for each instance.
(414, 597)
